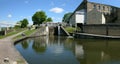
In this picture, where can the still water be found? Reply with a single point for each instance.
(66, 50)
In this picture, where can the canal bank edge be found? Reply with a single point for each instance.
(14, 41)
(32, 35)
(94, 36)
(8, 53)
(22, 61)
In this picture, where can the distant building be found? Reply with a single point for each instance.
(95, 13)
(49, 24)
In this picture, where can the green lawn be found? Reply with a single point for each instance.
(9, 34)
(27, 33)
(15, 31)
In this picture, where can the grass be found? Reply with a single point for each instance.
(15, 31)
(27, 33)
(9, 34)
(70, 29)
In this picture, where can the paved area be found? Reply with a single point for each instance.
(8, 53)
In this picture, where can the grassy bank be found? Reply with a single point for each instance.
(70, 29)
(9, 34)
(14, 31)
(26, 33)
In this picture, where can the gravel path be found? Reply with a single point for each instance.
(8, 53)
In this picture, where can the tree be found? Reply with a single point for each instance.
(24, 23)
(49, 19)
(66, 17)
(39, 17)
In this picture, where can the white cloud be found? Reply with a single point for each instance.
(9, 16)
(57, 10)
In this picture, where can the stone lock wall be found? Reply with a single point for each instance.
(102, 29)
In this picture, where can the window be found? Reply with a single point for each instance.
(108, 9)
(94, 6)
(99, 8)
(103, 7)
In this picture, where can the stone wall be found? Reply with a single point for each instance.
(118, 16)
(95, 17)
(51, 30)
(110, 12)
(100, 7)
(104, 14)
(63, 32)
(72, 20)
(102, 29)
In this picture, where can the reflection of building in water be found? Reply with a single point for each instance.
(79, 52)
(101, 52)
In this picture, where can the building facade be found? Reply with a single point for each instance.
(95, 13)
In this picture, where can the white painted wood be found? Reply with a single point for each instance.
(80, 16)
(103, 19)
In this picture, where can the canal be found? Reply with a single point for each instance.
(67, 50)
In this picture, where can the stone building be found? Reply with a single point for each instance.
(95, 13)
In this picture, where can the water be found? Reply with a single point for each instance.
(63, 50)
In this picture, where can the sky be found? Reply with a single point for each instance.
(12, 11)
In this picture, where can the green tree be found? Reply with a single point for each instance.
(39, 17)
(49, 19)
(24, 23)
(66, 17)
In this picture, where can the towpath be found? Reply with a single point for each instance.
(8, 53)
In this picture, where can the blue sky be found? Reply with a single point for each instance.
(12, 11)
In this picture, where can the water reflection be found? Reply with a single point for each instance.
(101, 52)
(63, 50)
(39, 45)
(24, 44)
